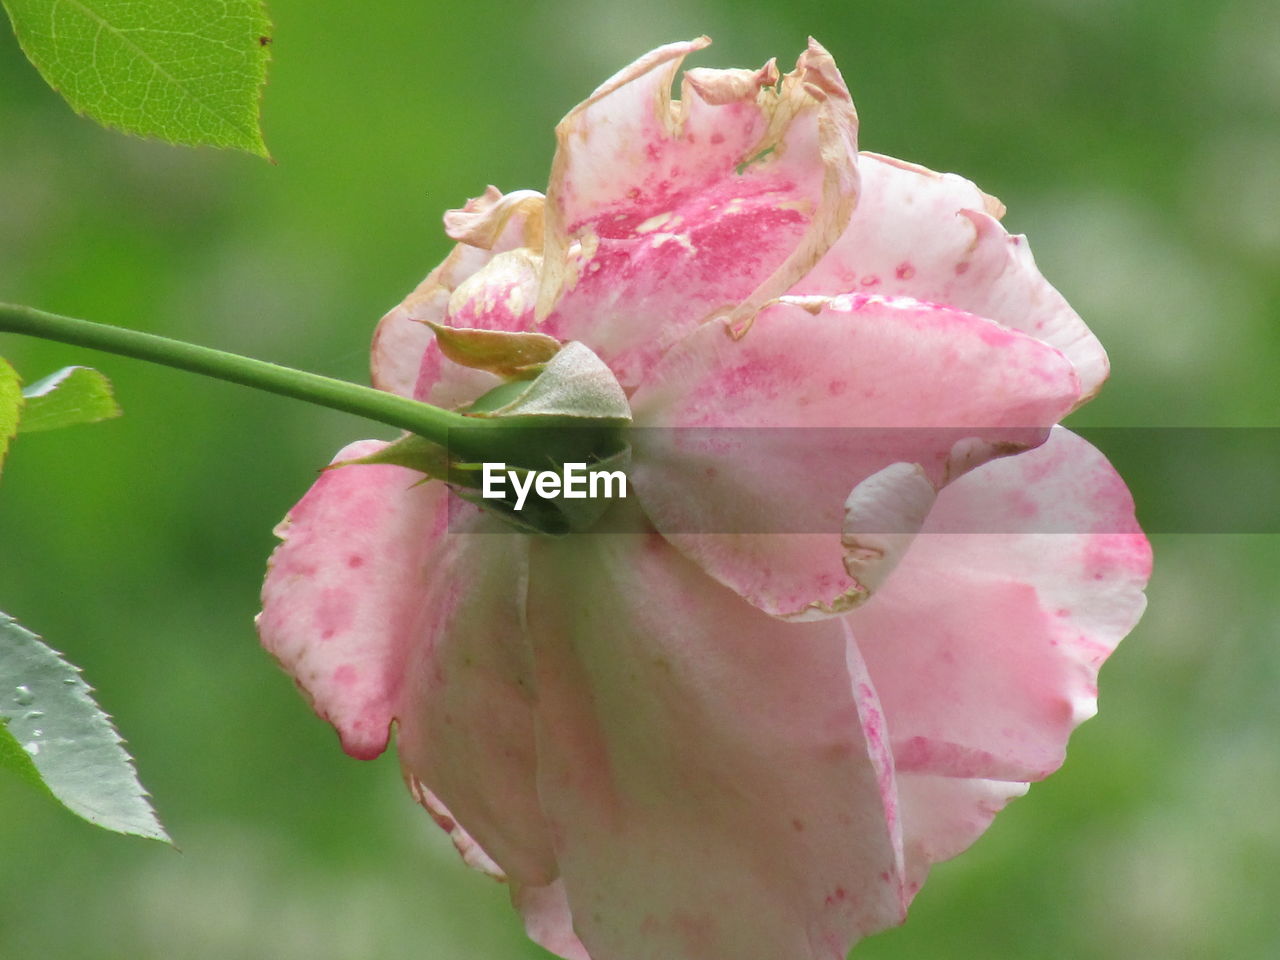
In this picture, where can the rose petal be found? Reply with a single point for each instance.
(662, 214)
(402, 335)
(882, 516)
(547, 919)
(498, 296)
(936, 237)
(1080, 561)
(498, 222)
(464, 712)
(985, 647)
(405, 359)
(343, 591)
(943, 816)
(473, 855)
(381, 612)
(716, 781)
(857, 381)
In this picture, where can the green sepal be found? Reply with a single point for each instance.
(410, 451)
(575, 384)
(573, 411)
(581, 515)
(513, 355)
(555, 516)
(500, 396)
(537, 516)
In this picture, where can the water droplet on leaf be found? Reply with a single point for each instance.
(23, 696)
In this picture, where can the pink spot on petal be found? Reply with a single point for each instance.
(905, 271)
(333, 613)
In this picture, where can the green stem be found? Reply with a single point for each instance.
(423, 419)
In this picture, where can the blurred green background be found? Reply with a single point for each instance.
(1137, 143)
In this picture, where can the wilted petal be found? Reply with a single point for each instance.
(717, 781)
(859, 383)
(498, 222)
(663, 214)
(465, 723)
(344, 591)
(882, 516)
(602, 155)
(937, 237)
(473, 855)
(985, 647)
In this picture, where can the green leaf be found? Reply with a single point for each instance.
(10, 406)
(17, 760)
(410, 451)
(63, 399)
(186, 71)
(74, 748)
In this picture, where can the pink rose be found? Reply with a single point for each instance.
(709, 741)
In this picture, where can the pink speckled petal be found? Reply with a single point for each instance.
(816, 367)
(937, 237)
(717, 781)
(383, 609)
(402, 335)
(494, 226)
(661, 214)
(985, 647)
(499, 296)
(547, 919)
(343, 591)
(465, 721)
